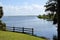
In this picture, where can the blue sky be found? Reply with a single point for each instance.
(23, 7)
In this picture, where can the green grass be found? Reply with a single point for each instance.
(5, 35)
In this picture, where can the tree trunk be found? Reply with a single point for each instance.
(58, 16)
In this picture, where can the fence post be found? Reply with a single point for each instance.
(32, 31)
(23, 29)
(13, 29)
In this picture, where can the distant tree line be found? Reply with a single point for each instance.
(49, 16)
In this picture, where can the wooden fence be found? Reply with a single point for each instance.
(22, 29)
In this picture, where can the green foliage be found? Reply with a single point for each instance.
(42, 16)
(48, 16)
(2, 26)
(1, 12)
(52, 7)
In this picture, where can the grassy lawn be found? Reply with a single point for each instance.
(5, 35)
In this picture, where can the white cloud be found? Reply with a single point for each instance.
(33, 9)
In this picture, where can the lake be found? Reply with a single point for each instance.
(41, 27)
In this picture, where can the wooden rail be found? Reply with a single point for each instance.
(22, 29)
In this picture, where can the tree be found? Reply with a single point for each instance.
(54, 6)
(58, 16)
(51, 6)
(1, 12)
(2, 25)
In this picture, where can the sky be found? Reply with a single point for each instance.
(23, 7)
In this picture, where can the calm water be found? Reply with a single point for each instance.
(41, 27)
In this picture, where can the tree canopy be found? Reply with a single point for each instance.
(1, 12)
(54, 6)
(51, 6)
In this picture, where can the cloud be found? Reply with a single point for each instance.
(26, 9)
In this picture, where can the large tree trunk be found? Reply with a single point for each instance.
(58, 16)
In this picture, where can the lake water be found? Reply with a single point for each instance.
(41, 27)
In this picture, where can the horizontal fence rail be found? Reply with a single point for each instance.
(21, 29)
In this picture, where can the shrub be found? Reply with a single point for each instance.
(55, 38)
(2, 26)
